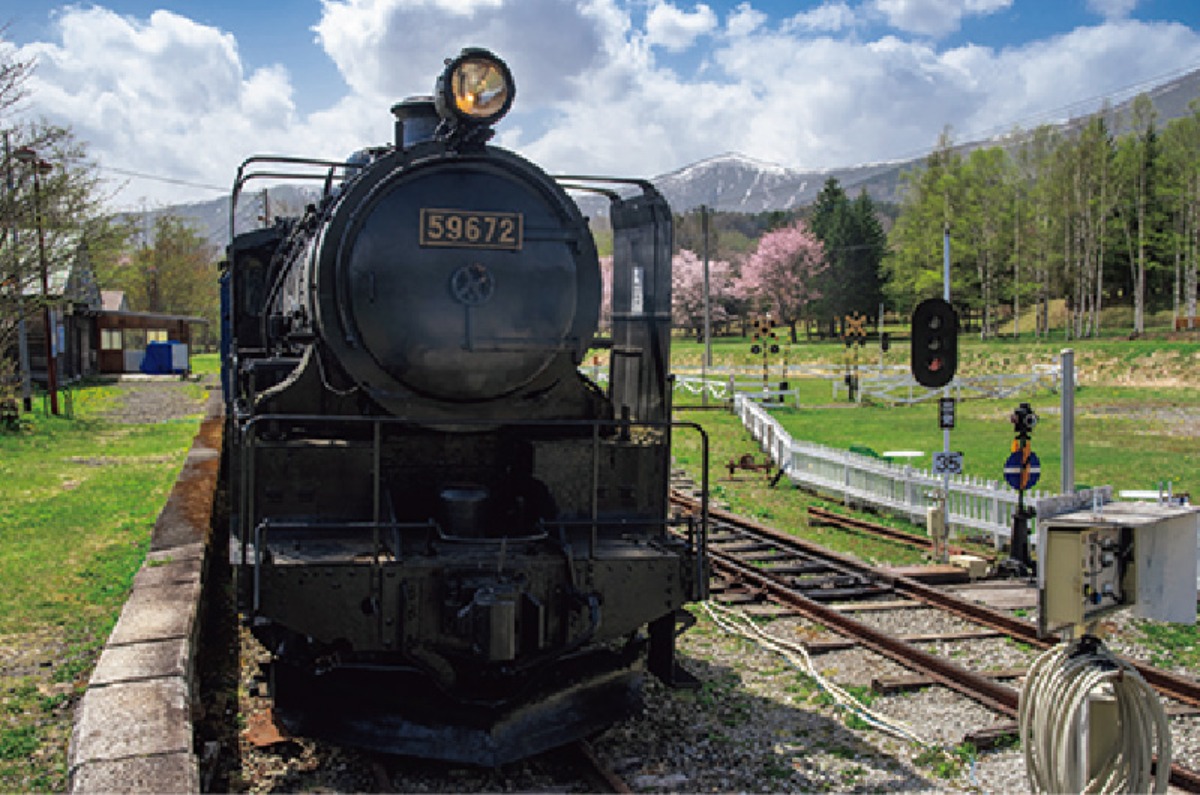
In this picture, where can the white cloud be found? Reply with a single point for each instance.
(1064, 76)
(825, 102)
(391, 49)
(1112, 9)
(828, 17)
(164, 95)
(676, 29)
(935, 17)
(170, 96)
(743, 20)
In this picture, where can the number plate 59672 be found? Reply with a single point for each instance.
(471, 229)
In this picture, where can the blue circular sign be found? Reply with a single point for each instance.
(1022, 476)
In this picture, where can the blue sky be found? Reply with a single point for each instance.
(185, 90)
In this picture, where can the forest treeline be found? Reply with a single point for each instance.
(1078, 216)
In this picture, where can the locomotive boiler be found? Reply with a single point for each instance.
(453, 543)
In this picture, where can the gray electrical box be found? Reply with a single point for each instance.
(1124, 555)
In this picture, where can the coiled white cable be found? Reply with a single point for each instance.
(1053, 705)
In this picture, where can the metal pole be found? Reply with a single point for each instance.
(1068, 421)
(708, 306)
(946, 389)
(707, 362)
(880, 333)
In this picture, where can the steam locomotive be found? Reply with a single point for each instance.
(454, 544)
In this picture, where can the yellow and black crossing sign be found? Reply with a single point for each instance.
(855, 332)
(765, 340)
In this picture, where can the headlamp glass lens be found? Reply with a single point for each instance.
(480, 88)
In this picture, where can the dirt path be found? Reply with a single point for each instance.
(156, 401)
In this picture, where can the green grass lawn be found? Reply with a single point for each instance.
(206, 363)
(1136, 411)
(77, 506)
(1124, 437)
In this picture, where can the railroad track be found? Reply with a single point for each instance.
(818, 515)
(757, 562)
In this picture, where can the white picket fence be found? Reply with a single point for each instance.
(974, 506)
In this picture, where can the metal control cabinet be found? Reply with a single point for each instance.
(1089, 573)
(1124, 554)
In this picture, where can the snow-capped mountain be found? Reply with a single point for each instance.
(738, 183)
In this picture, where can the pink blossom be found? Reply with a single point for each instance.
(782, 274)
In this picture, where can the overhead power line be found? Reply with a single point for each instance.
(159, 178)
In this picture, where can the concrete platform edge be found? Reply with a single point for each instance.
(133, 729)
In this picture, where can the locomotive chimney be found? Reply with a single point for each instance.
(416, 120)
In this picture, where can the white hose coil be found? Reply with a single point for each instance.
(1053, 706)
(738, 623)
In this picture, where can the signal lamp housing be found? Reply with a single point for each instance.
(934, 343)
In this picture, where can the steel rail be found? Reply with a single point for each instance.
(986, 691)
(599, 775)
(825, 516)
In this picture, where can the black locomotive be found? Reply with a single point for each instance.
(454, 544)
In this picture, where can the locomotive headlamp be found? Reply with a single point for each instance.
(476, 88)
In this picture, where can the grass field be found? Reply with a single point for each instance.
(1137, 411)
(79, 500)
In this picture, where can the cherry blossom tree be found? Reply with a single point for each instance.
(687, 291)
(782, 275)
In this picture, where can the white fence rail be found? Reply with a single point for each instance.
(901, 387)
(974, 506)
(889, 384)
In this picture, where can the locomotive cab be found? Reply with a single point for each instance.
(453, 542)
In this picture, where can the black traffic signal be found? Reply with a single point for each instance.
(934, 342)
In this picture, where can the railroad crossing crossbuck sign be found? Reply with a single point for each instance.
(1022, 469)
(856, 329)
(765, 339)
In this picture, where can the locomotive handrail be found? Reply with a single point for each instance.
(612, 195)
(242, 177)
(246, 427)
(646, 185)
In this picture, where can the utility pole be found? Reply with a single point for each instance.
(707, 362)
(945, 496)
(19, 287)
(40, 168)
(707, 293)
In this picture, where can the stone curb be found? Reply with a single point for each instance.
(133, 726)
